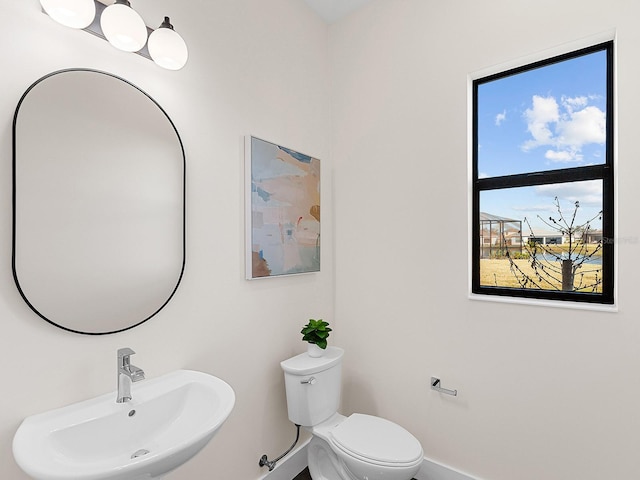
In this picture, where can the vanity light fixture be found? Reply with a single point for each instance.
(70, 13)
(123, 28)
(167, 48)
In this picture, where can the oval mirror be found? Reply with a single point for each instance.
(98, 202)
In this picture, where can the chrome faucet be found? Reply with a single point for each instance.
(127, 373)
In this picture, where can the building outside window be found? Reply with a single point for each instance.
(542, 194)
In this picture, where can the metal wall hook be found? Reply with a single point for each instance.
(435, 385)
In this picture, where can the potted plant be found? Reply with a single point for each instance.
(316, 333)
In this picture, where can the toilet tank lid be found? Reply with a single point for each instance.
(304, 364)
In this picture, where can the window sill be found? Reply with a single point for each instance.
(597, 307)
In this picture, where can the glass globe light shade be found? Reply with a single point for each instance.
(123, 27)
(167, 48)
(70, 13)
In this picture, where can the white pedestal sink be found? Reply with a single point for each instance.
(168, 421)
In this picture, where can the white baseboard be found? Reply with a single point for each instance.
(431, 470)
(296, 461)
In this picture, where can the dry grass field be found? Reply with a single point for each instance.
(498, 272)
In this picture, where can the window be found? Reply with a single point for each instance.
(542, 205)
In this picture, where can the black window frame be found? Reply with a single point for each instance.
(604, 172)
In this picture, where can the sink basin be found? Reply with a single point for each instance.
(168, 421)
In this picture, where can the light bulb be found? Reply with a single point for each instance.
(167, 48)
(70, 13)
(123, 27)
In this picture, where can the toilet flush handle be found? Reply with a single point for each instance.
(308, 381)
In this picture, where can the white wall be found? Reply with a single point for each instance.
(256, 68)
(544, 393)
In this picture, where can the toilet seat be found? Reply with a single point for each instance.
(376, 440)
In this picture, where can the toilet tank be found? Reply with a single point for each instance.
(313, 386)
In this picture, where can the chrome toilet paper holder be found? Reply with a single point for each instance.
(435, 385)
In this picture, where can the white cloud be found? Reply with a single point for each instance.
(501, 117)
(535, 208)
(563, 156)
(571, 103)
(545, 111)
(588, 193)
(567, 126)
(583, 127)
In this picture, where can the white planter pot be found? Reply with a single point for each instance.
(314, 350)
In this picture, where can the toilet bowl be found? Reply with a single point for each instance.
(362, 447)
(357, 447)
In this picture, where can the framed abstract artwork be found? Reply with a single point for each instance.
(282, 210)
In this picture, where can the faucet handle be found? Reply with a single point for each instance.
(125, 352)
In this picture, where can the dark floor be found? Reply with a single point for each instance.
(304, 475)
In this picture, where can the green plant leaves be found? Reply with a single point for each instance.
(317, 332)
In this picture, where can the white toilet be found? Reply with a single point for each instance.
(358, 447)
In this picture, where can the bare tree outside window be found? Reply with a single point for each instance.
(568, 268)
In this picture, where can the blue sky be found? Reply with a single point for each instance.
(544, 119)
